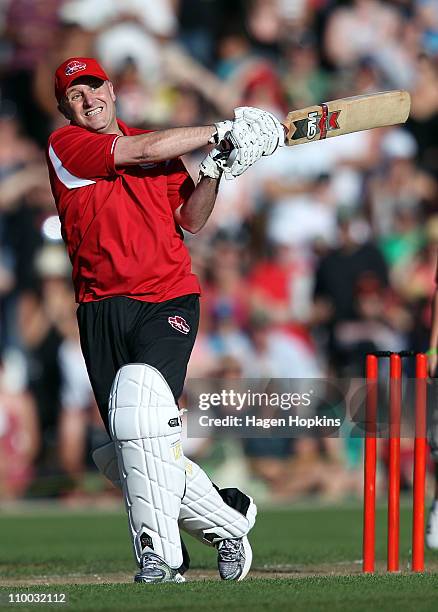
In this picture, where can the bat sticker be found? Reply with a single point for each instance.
(312, 124)
(316, 123)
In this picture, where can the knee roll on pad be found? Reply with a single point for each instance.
(105, 459)
(146, 429)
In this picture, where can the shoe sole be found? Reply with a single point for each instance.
(177, 578)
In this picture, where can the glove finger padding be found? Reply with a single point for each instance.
(268, 125)
(249, 145)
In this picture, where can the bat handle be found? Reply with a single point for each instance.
(229, 151)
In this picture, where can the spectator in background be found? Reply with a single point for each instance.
(200, 24)
(28, 204)
(298, 220)
(306, 82)
(71, 39)
(398, 185)
(337, 277)
(289, 467)
(423, 119)
(273, 282)
(248, 73)
(19, 437)
(31, 26)
(415, 283)
(400, 245)
(41, 310)
(131, 29)
(427, 15)
(368, 28)
(76, 404)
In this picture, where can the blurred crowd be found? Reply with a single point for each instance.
(310, 259)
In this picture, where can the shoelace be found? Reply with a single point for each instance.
(229, 549)
(150, 562)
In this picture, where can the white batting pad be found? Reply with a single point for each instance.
(205, 515)
(146, 429)
(203, 512)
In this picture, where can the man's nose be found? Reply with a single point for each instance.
(88, 99)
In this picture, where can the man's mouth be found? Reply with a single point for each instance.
(94, 111)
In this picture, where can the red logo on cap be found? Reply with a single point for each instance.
(179, 323)
(73, 67)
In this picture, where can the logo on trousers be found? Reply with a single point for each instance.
(179, 324)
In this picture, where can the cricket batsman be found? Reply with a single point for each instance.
(123, 195)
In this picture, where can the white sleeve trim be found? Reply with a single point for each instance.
(114, 144)
(69, 180)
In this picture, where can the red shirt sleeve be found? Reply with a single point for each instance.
(180, 185)
(83, 154)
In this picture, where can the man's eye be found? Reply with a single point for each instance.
(75, 97)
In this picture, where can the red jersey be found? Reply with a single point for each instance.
(118, 223)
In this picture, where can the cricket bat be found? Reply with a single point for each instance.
(347, 115)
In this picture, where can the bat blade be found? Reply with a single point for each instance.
(347, 115)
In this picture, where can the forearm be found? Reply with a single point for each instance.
(161, 145)
(433, 341)
(193, 215)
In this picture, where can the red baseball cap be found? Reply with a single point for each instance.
(72, 69)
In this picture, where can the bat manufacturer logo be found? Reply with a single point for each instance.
(179, 323)
(312, 123)
(74, 66)
(316, 123)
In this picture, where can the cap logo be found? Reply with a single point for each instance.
(73, 67)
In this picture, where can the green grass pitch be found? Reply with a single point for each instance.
(305, 559)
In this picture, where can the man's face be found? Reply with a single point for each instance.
(90, 103)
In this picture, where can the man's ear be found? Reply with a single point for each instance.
(111, 88)
(64, 111)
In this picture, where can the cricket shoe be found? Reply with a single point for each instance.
(153, 569)
(432, 527)
(234, 558)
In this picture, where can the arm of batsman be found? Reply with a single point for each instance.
(255, 133)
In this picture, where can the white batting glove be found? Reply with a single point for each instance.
(222, 128)
(255, 133)
(269, 127)
(213, 164)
